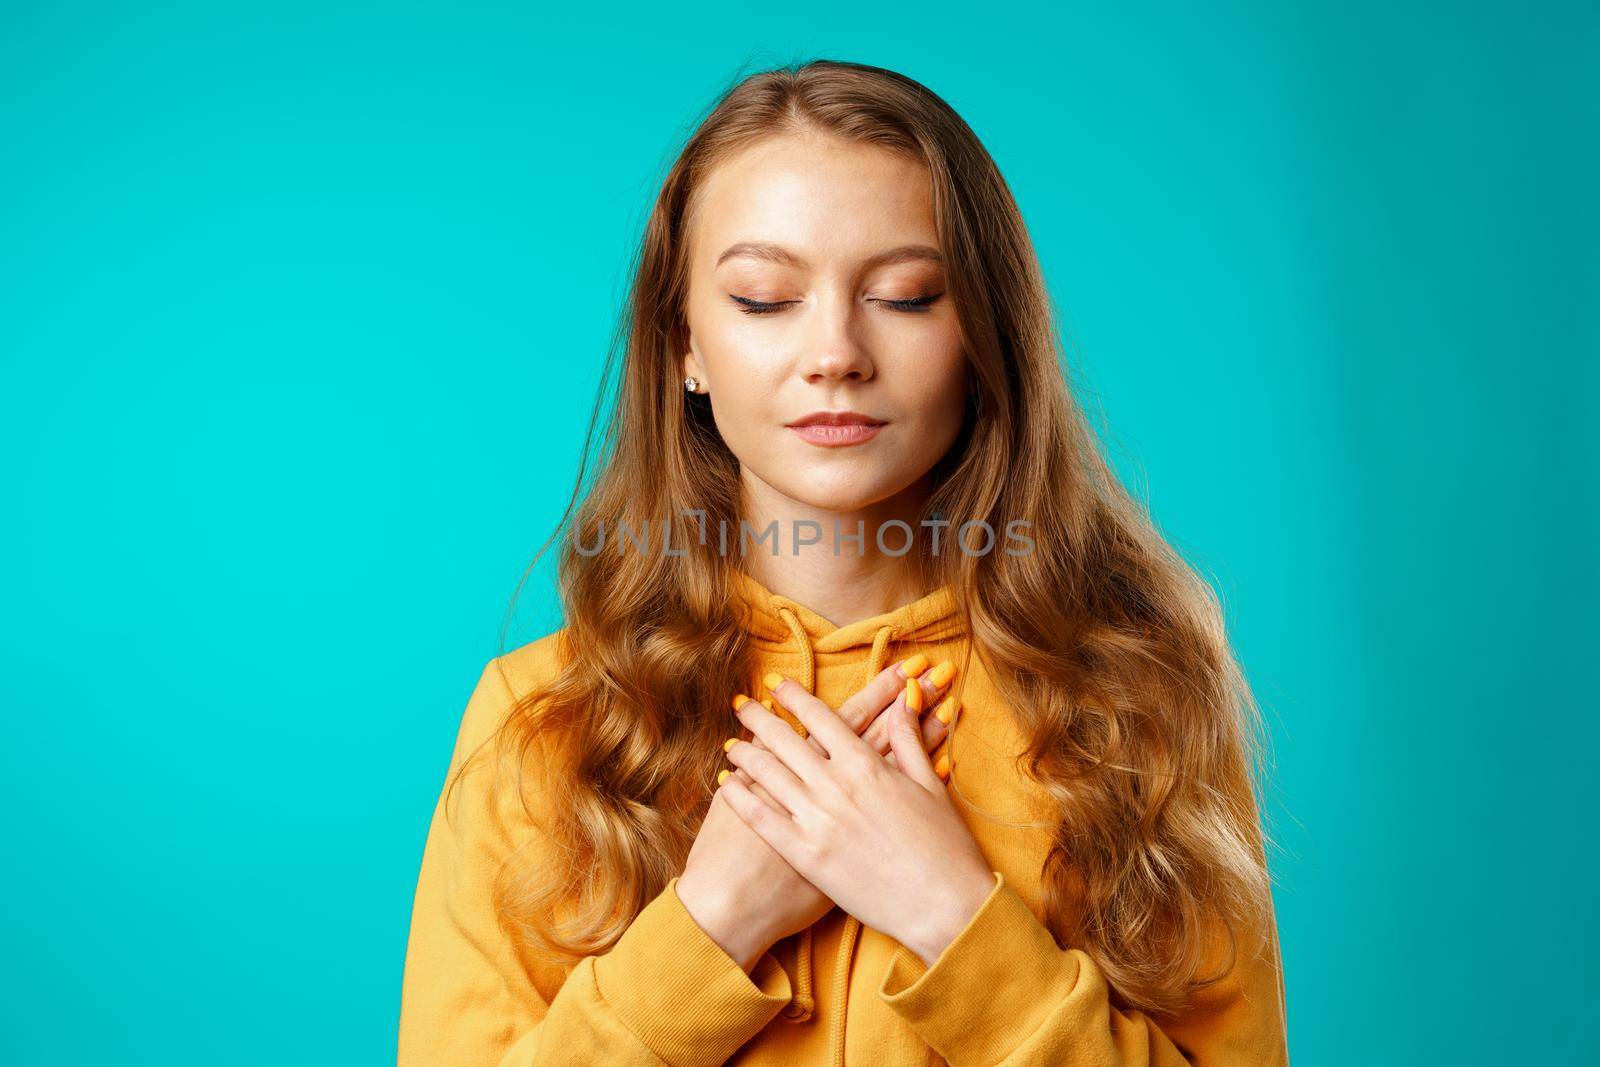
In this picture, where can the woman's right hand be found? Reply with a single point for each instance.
(741, 892)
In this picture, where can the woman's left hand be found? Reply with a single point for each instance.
(883, 841)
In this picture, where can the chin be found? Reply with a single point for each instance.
(841, 498)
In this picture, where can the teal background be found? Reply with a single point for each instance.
(301, 308)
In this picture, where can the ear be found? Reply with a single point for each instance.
(692, 367)
(690, 363)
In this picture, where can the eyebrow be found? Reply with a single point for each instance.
(778, 254)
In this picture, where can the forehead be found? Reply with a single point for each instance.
(825, 199)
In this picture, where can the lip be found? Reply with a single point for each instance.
(836, 418)
(834, 429)
(836, 435)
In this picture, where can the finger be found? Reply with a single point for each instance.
(935, 688)
(770, 772)
(751, 784)
(820, 721)
(934, 728)
(773, 827)
(779, 738)
(905, 738)
(862, 709)
(941, 766)
(801, 730)
(941, 723)
(934, 731)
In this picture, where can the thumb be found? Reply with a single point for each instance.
(905, 738)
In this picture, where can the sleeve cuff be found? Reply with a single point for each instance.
(990, 988)
(685, 998)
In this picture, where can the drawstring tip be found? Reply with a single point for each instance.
(804, 1003)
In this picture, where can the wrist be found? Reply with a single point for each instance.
(717, 915)
(947, 914)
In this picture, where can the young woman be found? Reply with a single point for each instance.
(993, 795)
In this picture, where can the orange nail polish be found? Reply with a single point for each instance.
(727, 746)
(772, 680)
(943, 673)
(914, 696)
(942, 768)
(722, 775)
(738, 699)
(943, 712)
(915, 665)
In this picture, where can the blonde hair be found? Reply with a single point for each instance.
(1112, 650)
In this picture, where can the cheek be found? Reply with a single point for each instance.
(742, 391)
(936, 399)
(945, 415)
(931, 378)
(739, 356)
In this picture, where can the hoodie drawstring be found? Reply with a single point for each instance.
(799, 1009)
(803, 1004)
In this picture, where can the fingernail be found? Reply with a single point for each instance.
(943, 711)
(772, 680)
(727, 746)
(941, 768)
(943, 673)
(739, 699)
(915, 665)
(767, 703)
(914, 696)
(722, 775)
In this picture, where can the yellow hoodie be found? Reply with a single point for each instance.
(1003, 992)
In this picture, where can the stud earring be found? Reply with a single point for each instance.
(691, 384)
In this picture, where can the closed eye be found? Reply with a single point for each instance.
(920, 303)
(757, 307)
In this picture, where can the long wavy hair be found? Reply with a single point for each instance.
(1143, 733)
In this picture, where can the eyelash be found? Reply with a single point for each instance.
(756, 307)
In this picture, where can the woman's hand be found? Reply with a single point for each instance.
(741, 892)
(867, 708)
(883, 842)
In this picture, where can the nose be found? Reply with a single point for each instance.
(834, 352)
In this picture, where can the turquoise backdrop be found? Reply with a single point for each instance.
(301, 307)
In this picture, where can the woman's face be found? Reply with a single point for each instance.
(800, 249)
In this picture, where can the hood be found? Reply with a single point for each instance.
(841, 659)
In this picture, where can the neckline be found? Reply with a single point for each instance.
(935, 614)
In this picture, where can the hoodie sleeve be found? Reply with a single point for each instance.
(1004, 993)
(665, 992)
